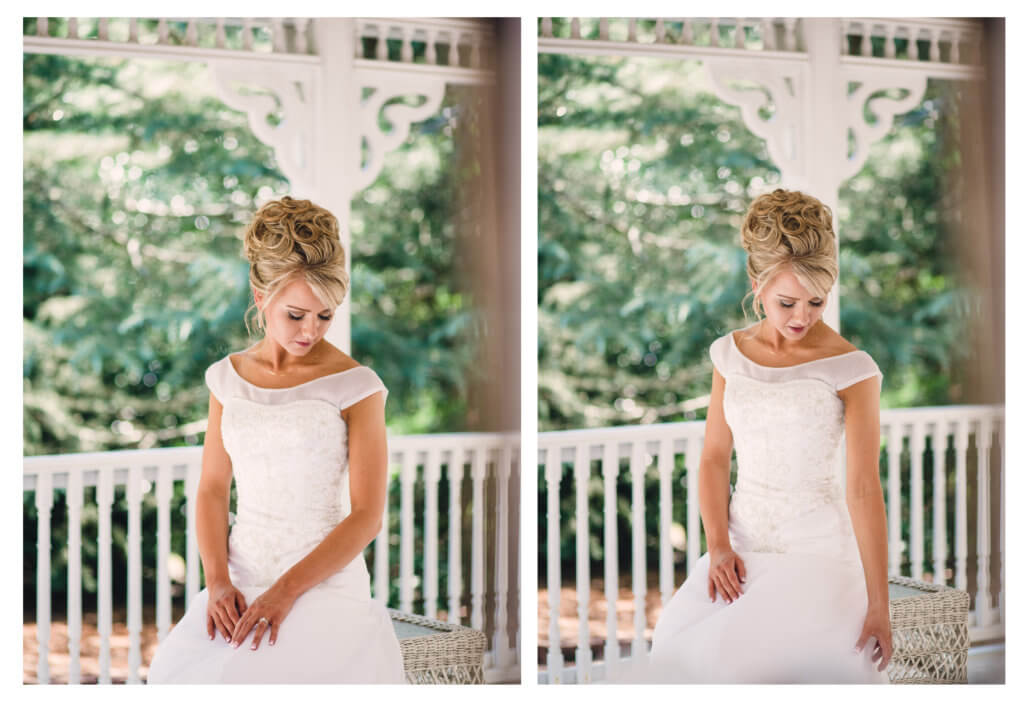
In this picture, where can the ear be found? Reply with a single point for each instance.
(257, 297)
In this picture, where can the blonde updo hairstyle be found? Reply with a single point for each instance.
(789, 230)
(289, 239)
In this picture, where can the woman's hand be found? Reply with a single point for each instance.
(267, 610)
(726, 574)
(224, 607)
(876, 624)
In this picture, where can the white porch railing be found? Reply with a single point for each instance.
(490, 461)
(965, 435)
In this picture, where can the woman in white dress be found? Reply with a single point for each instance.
(300, 427)
(793, 587)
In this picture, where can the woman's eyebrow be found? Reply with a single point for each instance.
(300, 309)
(794, 299)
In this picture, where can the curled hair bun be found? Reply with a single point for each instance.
(287, 226)
(797, 222)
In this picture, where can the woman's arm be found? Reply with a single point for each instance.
(867, 507)
(367, 474)
(726, 570)
(367, 468)
(225, 604)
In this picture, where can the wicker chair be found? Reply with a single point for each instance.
(929, 633)
(435, 652)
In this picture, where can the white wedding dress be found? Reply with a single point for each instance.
(803, 604)
(289, 457)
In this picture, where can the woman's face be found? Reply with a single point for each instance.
(296, 318)
(789, 307)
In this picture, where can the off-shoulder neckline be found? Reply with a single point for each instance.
(282, 389)
(743, 355)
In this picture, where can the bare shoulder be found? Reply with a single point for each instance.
(336, 360)
(834, 344)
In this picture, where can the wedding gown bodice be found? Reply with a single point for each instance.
(788, 426)
(289, 457)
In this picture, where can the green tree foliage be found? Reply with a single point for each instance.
(643, 178)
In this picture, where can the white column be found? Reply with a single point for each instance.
(637, 470)
(983, 599)
(553, 477)
(939, 549)
(44, 505)
(455, 534)
(917, 500)
(479, 475)
(431, 478)
(581, 470)
(134, 494)
(337, 137)
(610, 472)
(961, 441)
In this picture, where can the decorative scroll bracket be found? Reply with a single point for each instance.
(782, 130)
(375, 106)
(291, 92)
(868, 85)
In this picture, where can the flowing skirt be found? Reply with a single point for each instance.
(797, 620)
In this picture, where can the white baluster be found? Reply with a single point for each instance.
(192, 472)
(134, 495)
(666, 461)
(545, 27)
(954, 48)
(637, 469)
(602, 29)
(454, 53)
(939, 550)
(405, 54)
(164, 492)
(44, 505)
(581, 470)
(408, 478)
(893, 449)
(475, 58)
(133, 31)
(277, 35)
(104, 501)
(246, 33)
(74, 498)
(431, 477)
(631, 33)
(219, 37)
(933, 46)
(694, 445)
(501, 640)
(917, 501)
(715, 36)
(361, 34)
(72, 27)
(768, 33)
(741, 35)
(1002, 520)
(844, 37)
(912, 35)
(790, 33)
(890, 41)
(431, 53)
(553, 476)
(479, 474)
(103, 29)
(961, 443)
(192, 33)
(381, 51)
(161, 31)
(455, 534)
(659, 31)
(574, 28)
(610, 472)
(983, 603)
(302, 35)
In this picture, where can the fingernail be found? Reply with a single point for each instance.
(252, 647)
(271, 642)
(235, 644)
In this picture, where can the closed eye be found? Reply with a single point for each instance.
(299, 317)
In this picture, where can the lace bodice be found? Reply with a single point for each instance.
(289, 457)
(787, 426)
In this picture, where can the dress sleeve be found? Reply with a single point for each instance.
(215, 379)
(854, 368)
(719, 354)
(360, 384)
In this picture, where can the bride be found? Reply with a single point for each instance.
(299, 425)
(793, 587)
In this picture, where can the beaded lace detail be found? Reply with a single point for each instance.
(788, 430)
(289, 458)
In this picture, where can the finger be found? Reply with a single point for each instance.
(742, 569)
(724, 589)
(229, 612)
(734, 580)
(222, 625)
(273, 632)
(864, 635)
(257, 635)
(242, 606)
(210, 626)
(711, 587)
(242, 629)
(730, 584)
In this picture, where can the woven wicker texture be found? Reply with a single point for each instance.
(435, 652)
(929, 633)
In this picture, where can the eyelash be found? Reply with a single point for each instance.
(813, 304)
(299, 318)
